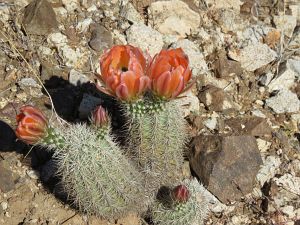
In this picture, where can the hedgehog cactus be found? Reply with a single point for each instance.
(98, 178)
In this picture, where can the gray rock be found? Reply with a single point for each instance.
(268, 170)
(39, 18)
(7, 181)
(145, 37)
(254, 34)
(87, 105)
(230, 20)
(284, 80)
(230, 4)
(286, 23)
(28, 82)
(196, 58)
(173, 17)
(294, 65)
(284, 101)
(253, 56)
(101, 38)
(4, 205)
(76, 78)
(227, 166)
(211, 123)
(130, 13)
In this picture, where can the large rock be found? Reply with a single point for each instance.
(173, 17)
(145, 37)
(196, 58)
(253, 56)
(254, 126)
(227, 166)
(284, 101)
(39, 18)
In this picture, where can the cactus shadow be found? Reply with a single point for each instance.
(67, 97)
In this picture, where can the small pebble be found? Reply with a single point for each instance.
(4, 205)
(33, 174)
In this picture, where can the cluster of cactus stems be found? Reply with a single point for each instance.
(110, 181)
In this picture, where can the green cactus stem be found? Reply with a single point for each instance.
(157, 140)
(96, 175)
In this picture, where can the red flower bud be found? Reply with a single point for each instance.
(100, 117)
(181, 193)
(32, 125)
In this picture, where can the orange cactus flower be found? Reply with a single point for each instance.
(123, 71)
(32, 125)
(169, 72)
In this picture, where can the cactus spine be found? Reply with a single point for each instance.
(97, 176)
(192, 212)
(157, 138)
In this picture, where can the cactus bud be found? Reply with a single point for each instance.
(181, 194)
(100, 117)
(32, 125)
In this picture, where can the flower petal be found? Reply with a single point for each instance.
(122, 92)
(162, 84)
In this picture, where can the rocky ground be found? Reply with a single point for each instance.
(243, 111)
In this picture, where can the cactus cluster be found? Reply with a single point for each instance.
(106, 179)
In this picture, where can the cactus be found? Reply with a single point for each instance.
(96, 175)
(169, 211)
(157, 138)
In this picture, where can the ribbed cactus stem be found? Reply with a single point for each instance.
(53, 140)
(97, 176)
(192, 212)
(157, 139)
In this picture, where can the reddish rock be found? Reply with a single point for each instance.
(253, 126)
(225, 67)
(39, 18)
(215, 98)
(227, 166)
